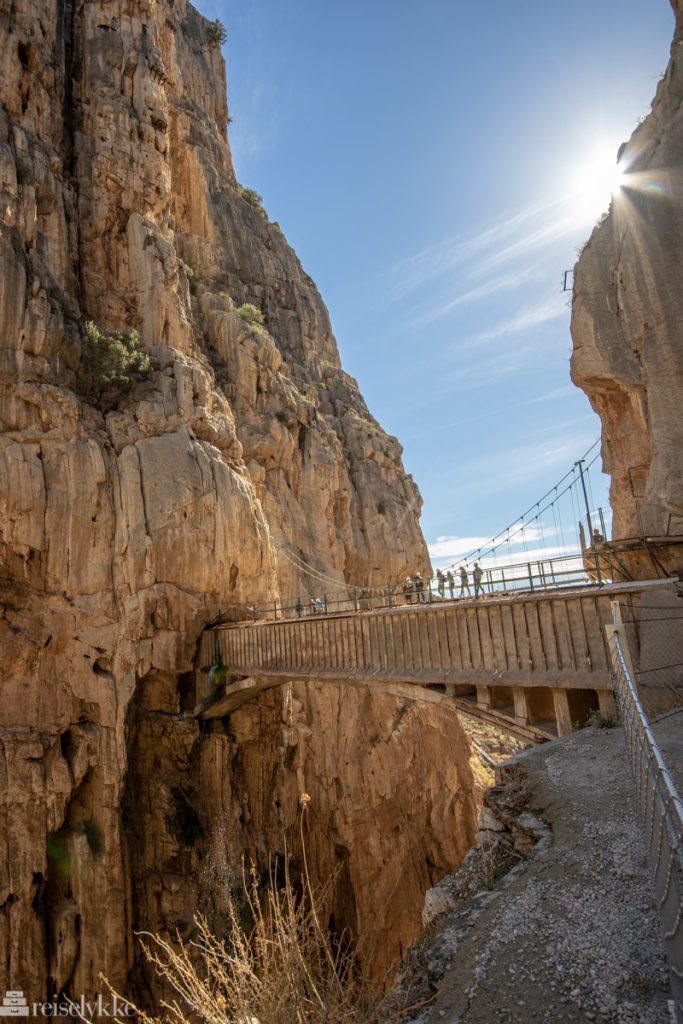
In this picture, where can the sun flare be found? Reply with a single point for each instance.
(595, 183)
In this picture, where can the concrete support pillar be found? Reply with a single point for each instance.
(563, 717)
(450, 689)
(606, 703)
(521, 707)
(483, 696)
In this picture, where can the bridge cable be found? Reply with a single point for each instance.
(504, 537)
(305, 567)
(465, 559)
(478, 551)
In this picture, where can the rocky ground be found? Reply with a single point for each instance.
(570, 933)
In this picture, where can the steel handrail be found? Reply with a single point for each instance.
(661, 806)
(520, 577)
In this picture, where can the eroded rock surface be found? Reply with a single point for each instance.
(123, 532)
(627, 321)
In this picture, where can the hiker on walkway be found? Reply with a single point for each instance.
(477, 574)
(299, 607)
(440, 584)
(464, 585)
(451, 583)
(408, 590)
(419, 588)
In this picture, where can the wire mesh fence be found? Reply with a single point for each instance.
(660, 803)
(654, 634)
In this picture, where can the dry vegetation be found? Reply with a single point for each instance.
(283, 968)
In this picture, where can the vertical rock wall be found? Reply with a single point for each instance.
(627, 324)
(123, 532)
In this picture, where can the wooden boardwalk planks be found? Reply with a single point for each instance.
(546, 622)
(555, 639)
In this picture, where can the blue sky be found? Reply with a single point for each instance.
(435, 165)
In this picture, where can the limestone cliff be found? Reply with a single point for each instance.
(627, 320)
(125, 530)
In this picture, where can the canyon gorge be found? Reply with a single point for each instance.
(129, 524)
(239, 465)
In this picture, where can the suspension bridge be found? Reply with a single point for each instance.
(526, 650)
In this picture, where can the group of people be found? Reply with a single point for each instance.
(316, 606)
(414, 589)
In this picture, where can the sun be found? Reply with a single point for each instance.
(595, 183)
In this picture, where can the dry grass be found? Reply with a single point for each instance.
(285, 968)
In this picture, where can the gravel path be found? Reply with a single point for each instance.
(573, 937)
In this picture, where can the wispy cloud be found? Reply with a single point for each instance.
(467, 421)
(455, 547)
(440, 259)
(512, 465)
(449, 551)
(447, 302)
(530, 316)
(531, 533)
(555, 227)
(445, 279)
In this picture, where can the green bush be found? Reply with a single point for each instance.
(190, 275)
(251, 196)
(216, 32)
(600, 721)
(252, 314)
(111, 363)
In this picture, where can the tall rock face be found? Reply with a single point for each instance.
(126, 528)
(627, 323)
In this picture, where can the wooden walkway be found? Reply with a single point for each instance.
(540, 658)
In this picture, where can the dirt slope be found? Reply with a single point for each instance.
(574, 937)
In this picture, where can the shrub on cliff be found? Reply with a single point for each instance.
(252, 314)
(251, 196)
(111, 363)
(190, 275)
(216, 32)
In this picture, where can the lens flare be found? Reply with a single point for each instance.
(595, 183)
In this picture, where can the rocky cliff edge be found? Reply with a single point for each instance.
(627, 323)
(125, 528)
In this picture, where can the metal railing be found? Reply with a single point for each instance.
(520, 577)
(661, 806)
